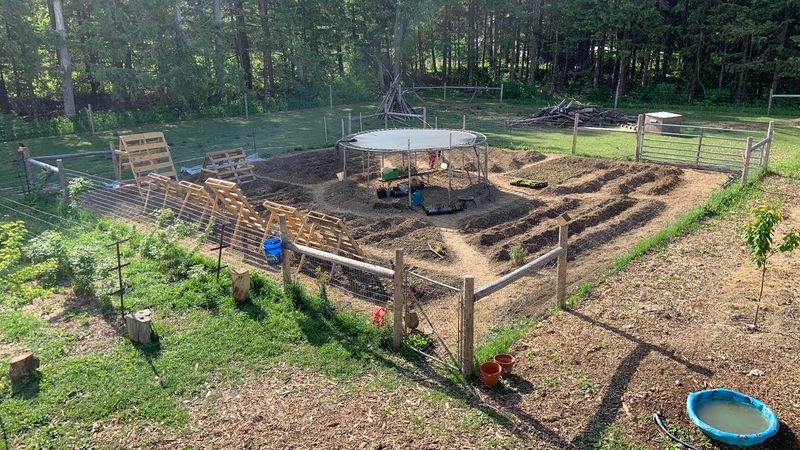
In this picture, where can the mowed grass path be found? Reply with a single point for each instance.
(280, 132)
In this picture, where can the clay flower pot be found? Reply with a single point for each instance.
(490, 373)
(506, 362)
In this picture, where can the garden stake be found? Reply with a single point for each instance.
(122, 286)
(219, 248)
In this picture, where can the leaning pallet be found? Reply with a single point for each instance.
(234, 202)
(145, 153)
(229, 165)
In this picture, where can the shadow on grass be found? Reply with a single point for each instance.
(28, 388)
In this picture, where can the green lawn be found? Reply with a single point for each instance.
(203, 339)
(280, 132)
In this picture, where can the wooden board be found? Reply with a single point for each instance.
(199, 197)
(145, 153)
(157, 182)
(229, 165)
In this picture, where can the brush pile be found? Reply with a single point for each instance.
(563, 116)
(394, 105)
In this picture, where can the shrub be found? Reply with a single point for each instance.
(517, 254)
(49, 246)
(83, 268)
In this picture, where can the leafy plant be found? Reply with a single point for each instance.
(49, 246)
(164, 235)
(517, 254)
(417, 341)
(77, 186)
(758, 234)
(11, 236)
(83, 267)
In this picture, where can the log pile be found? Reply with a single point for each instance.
(394, 105)
(563, 115)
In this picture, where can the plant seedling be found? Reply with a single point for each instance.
(758, 235)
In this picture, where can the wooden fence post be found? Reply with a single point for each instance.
(768, 149)
(746, 166)
(91, 117)
(286, 263)
(115, 160)
(467, 331)
(398, 300)
(575, 132)
(240, 285)
(62, 178)
(561, 272)
(639, 136)
(769, 103)
(26, 156)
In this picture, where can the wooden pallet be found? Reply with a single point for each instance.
(158, 182)
(229, 165)
(298, 227)
(145, 153)
(335, 238)
(228, 195)
(197, 195)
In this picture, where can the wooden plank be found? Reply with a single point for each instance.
(509, 278)
(467, 332)
(341, 260)
(398, 300)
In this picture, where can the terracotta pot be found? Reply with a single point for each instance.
(506, 362)
(490, 373)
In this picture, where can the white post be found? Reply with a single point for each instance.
(330, 95)
(436, 122)
(91, 117)
(343, 127)
(349, 123)
(501, 93)
(246, 107)
(325, 125)
(464, 122)
(385, 121)
(444, 92)
(360, 122)
(424, 117)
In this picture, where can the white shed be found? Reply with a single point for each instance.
(662, 122)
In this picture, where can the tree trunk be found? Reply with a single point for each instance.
(5, 104)
(623, 71)
(433, 58)
(242, 43)
(63, 58)
(598, 64)
(696, 72)
(268, 69)
(776, 61)
(743, 71)
(180, 35)
(219, 70)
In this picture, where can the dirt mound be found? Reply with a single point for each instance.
(498, 216)
(276, 191)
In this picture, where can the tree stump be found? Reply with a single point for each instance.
(241, 285)
(22, 366)
(139, 326)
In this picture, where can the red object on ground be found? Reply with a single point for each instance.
(379, 317)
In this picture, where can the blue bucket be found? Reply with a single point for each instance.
(416, 199)
(696, 399)
(273, 251)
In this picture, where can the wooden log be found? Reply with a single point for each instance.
(22, 366)
(240, 286)
(139, 326)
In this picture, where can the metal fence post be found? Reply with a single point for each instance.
(501, 93)
(561, 271)
(349, 123)
(325, 125)
(746, 166)
(62, 178)
(330, 95)
(286, 261)
(467, 331)
(26, 156)
(699, 146)
(398, 300)
(575, 132)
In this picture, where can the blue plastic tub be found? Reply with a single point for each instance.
(273, 251)
(696, 400)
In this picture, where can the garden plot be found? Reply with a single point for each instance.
(612, 205)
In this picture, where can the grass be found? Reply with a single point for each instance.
(280, 132)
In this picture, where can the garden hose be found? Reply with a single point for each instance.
(660, 424)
